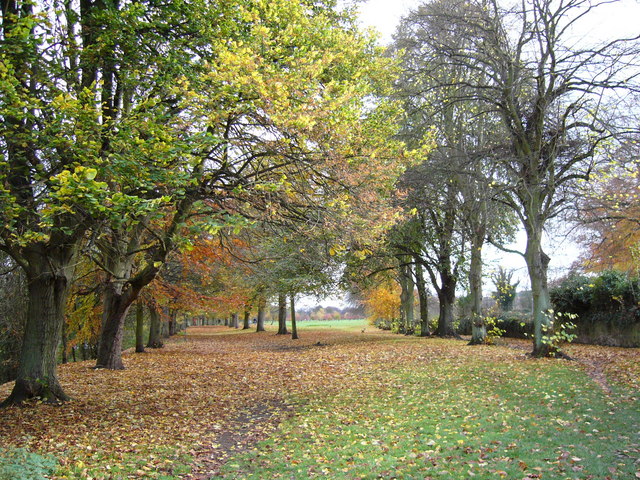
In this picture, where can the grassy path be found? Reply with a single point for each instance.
(340, 403)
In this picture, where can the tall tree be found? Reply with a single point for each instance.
(554, 98)
(264, 141)
(70, 72)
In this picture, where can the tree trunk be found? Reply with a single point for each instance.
(423, 295)
(478, 327)
(247, 316)
(139, 327)
(234, 318)
(537, 264)
(294, 327)
(115, 307)
(164, 326)
(447, 298)
(65, 343)
(47, 291)
(282, 314)
(262, 304)
(407, 316)
(172, 325)
(155, 329)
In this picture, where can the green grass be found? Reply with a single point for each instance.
(454, 419)
(354, 325)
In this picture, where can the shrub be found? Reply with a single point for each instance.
(515, 324)
(611, 297)
(559, 331)
(607, 307)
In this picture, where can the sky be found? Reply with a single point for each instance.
(616, 19)
(619, 18)
(613, 20)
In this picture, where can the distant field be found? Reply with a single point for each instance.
(341, 324)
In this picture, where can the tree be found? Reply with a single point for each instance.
(266, 141)
(505, 288)
(608, 213)
(282, 314)
(85, 97)
(13, 310)
(553, 97)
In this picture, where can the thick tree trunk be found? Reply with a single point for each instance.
(115, 307)
(282, 314)
(423, 296)
(294, 326)
(262, 304)
(538, 264)
(155, 329)
(247, 316)
(139, 327)
(478, 327)
(447, 298)
(234, 320)
(47, 291)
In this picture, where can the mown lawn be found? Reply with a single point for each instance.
(340, 403)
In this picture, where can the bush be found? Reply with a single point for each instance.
(20, 464)
(384, 323)
(515, 324)
(611, 297)
(607, 307)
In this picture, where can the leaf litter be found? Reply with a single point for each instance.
(213, 394)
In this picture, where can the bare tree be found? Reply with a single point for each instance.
(558, 100)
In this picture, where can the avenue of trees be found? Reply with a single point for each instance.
(203, 159)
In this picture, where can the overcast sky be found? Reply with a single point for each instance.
(612, 20)
(618, 18)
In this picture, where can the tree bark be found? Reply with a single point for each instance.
(172, 325)
(282, 314)
(423, 296)
(234, 318)
(447, 298)
(478, 327)
(247, 316)
(294, 327)
(139, 327)
(407, 315)
(48, 279)
(115, 307)
(155, 329)
(262, 304)
(537, 265)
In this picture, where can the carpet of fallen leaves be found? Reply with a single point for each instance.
(216, 391)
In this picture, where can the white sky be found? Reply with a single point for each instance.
(617, 19)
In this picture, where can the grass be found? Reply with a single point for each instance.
(351, 405)
(347, 325)
(446, 419)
